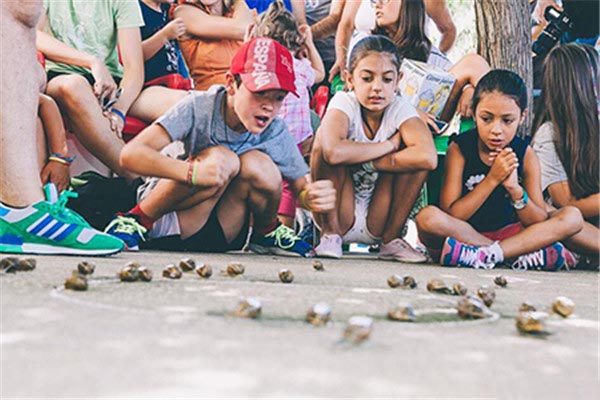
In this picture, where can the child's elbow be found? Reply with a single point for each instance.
(332, 156)
(430, 161)
(127, 157)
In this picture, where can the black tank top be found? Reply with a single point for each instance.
(497, 211)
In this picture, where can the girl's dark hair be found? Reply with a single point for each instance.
(373, 44)
(280, 25)
(502, 81)
(570, 102)
(410, 34)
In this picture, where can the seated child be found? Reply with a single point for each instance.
(237, 151)
(377, 151)
(280, 25)
(492, 208)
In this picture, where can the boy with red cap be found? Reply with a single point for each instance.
(236, 152)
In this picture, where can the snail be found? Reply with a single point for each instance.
(204, 271)
(487, 294)
(286, 276)
(472, 307)
(248, 308)
(527, 306)
(409, 282)
(86, 268)
(563, 306)
(459, 289)
(394, 281)
(76, 282)
(404, 313)
(172, 271)
(9, 264)
(235, 269)
(318, 265)
(319, 314)
(531, 322)
(187, 264)
(129, 273)
(501, 281)
(438, 286)
(144, 274)
(359, 328)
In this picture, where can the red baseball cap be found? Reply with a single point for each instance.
(264, 64)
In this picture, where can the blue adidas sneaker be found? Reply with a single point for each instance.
(128, 229)
(281, 241)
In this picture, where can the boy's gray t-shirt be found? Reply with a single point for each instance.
(198, 122)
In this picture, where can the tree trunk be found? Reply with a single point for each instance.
(504, 40)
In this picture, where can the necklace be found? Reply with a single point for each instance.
(366, 122)
(248, 134)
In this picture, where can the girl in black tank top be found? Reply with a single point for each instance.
(491, 203)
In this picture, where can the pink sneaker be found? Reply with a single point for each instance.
(455, 253)
(330, 246)
(400, 250)
(552, 258)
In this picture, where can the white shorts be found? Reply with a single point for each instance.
(359, 233)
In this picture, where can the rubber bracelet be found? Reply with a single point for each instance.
(368, 166)
(194, 171)
(63, 157)
(190, 173)
(302, 199)
(120, 114)
(59, 160)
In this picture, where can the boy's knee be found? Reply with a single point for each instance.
(428, 218)
(570, 218)
(226, 162)
(260, 171)
(71, 90)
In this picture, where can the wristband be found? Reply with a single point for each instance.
(63, 157)
(368, 166)
(190, 173)
(522, 202)
(120, 114)
(194, 171)
(302, 199)
(59, 160)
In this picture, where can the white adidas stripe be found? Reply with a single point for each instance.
(36, 223)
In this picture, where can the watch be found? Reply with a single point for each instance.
(522, 202)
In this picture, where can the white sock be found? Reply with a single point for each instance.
(496, 251)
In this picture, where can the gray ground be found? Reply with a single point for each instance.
(175, 338)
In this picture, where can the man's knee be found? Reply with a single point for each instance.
(259, 170)
(71, 91)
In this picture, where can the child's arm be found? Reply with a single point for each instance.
(55, 170)
(418, 154)
(451, 191)
(173, 30)
(326, 27)
(337, 150)
(199, 23)
(313, 54)
(535, 210)
(561, 196)
(318, 196)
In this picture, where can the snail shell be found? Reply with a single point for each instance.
(9, 264)
(501, 281)
(404, 313)
(318, 265)
(409, 282)
(86, 268)
(76, 282)
(563, 306)
(172, 271)
(187, 264)
(144, 274)
(438, 286)
(531, 322)
(235, 269)
(128, 274)
(527, 306)
(487, 294)
(286, 276)
(394, 281)
(319, 314)
(248, 308)
(472, 307)
(204, 271)
(359, 328)
(459, 289)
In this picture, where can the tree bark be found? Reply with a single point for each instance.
(504, 40)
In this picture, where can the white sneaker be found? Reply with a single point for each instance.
(330, 246)
(400, 250)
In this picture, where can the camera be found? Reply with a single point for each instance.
(558, 24)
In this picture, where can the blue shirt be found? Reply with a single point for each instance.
(262, 5)
(164, 62)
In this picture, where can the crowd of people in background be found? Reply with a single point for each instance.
(230, 151)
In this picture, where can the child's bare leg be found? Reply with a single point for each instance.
(435, 226)
(561, 225)
(170, 195)
(586, 241)
(392, 201)
(77, 101)
(339, 220)
(42, 150)
(155, 101)
(256, 189)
